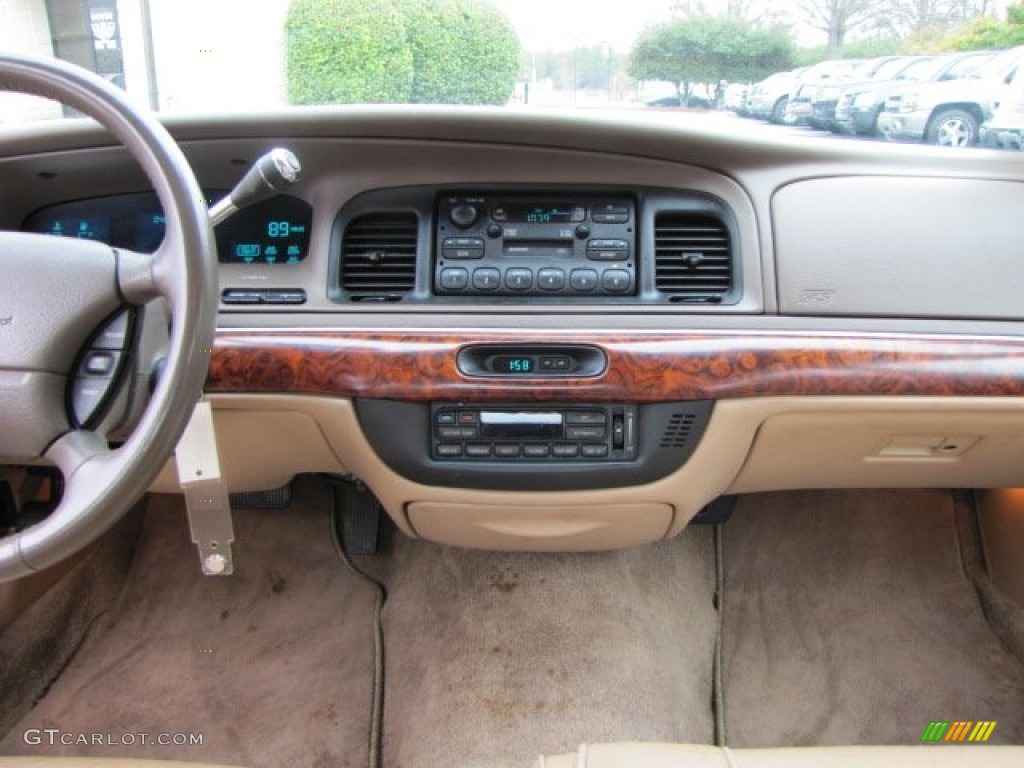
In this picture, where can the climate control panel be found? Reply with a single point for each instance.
(517, 434)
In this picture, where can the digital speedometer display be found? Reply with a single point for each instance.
(275, 231)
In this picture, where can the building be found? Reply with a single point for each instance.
(171, 55)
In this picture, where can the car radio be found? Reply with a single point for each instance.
(528, 245)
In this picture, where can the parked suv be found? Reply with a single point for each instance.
(860, 106)
(814, 80)
(949, 113)
(1006, 127)
(768, 98)
(823, 106)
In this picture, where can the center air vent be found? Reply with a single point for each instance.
(693, 257)
(378, 257)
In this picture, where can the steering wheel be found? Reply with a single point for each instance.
(55, 292)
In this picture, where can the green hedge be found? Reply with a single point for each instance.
(400, 51)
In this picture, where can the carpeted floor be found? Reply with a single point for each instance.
(849, 620)
(270, 665)
(495, 658)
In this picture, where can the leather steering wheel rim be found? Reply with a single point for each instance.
(101, 484)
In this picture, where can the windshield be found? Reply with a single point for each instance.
(203, 57)
(997, 66)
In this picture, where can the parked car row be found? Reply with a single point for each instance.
(956, 99)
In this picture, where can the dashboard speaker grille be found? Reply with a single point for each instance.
(678, 431)
(693, 256)
(378, 256)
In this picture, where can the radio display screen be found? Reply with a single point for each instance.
(539, 213)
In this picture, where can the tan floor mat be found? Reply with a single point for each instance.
(849, 620)
(494, 658)
(272, 665)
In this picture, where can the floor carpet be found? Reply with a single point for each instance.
(271, 665)
(495, 658)
(849, 620)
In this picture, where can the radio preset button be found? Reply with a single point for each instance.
(449, 450)
(551, 279)
(478, 450)
(615, 280)
(583, 280)
(453, 279)
(486, 279)
(506, 451)
(595, 451)
(519, 279)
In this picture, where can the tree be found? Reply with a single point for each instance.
(986, 32)
(837, 18)
(916, 16)
(347, 51)
(704, 49)
(463, 52)
(442, 52)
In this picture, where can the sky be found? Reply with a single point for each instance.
(567, 24)
(564, 24)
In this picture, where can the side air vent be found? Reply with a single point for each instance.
(378, 256)
(678, 431)
(693, 257)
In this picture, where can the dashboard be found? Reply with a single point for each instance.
(548, 331)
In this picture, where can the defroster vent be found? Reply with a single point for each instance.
(693, 257)
(378, 258)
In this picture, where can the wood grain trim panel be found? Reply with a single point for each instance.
(420, 365)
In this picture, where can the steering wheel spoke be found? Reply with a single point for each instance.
(74, 450)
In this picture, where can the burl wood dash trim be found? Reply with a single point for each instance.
(420, 365)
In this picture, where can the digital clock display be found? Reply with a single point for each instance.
(540, 213)
(513, 364)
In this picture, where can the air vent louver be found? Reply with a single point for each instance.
(693, 256)
(677, 431)
(378, 258)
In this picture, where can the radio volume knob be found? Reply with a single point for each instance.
(464, 215)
